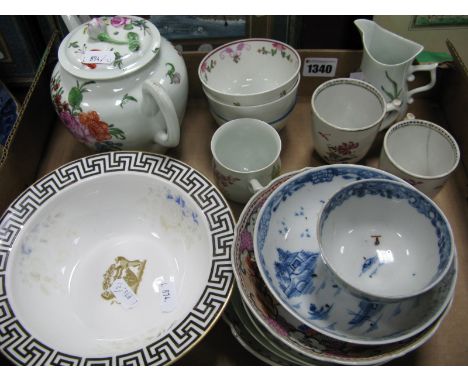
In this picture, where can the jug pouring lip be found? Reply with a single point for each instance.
(366, 26)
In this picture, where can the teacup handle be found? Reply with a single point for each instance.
(254, 186)
(169, 136)
(391, 106)
(420, 68)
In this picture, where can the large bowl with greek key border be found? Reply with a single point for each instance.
(122, 258)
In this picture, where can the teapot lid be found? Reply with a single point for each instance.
(109, 47)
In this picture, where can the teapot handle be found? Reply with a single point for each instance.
(169, 136)
(419, 68)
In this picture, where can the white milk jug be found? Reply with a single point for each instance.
(387, 64)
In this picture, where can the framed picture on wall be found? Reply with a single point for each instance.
(440, 21)
(203, 33)
(200, 27)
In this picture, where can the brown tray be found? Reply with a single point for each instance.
(447, 347)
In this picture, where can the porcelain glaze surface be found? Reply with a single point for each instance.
(265, 338)
(282, 324)
(248, 341)
(140, 219)
(137, 101)
(288, 256)
(420, 152)
(387, 64)
(275, 113)
(347, 115)
(373, 232)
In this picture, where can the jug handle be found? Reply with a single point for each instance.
(170, 136)
(391, 106)
(418, 68)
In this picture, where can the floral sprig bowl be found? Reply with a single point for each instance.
(120, 258)
(299, 337)
(249, 72)
(287, 254)
(385, 240)
(275, 113)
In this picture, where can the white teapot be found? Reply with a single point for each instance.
(120, 85)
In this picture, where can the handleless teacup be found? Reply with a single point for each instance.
(347, 116)
(246, 157)
(420, 152)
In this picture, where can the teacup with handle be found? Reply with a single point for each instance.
(347, 116)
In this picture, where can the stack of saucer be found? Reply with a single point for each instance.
(289, 295)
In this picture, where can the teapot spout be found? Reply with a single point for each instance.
(385, 47)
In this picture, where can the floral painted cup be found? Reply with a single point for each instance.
(347, 116)
(420, 152)
(246, 157)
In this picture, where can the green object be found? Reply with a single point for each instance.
(116, 133)
(127, 98)
(106, 38)
(133, 41)
(75, 96)
(426, 57)
(441, 20)
(118, 60)
(396, 93)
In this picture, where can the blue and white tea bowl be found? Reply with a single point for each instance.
(288, 257)
(385, 240)
(300, 339)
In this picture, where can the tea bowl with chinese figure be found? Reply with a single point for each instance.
(385, 240)
(275, 113)
(249, 72)
(287, 255)
(118, 258)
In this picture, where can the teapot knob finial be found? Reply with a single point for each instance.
(97, 30)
